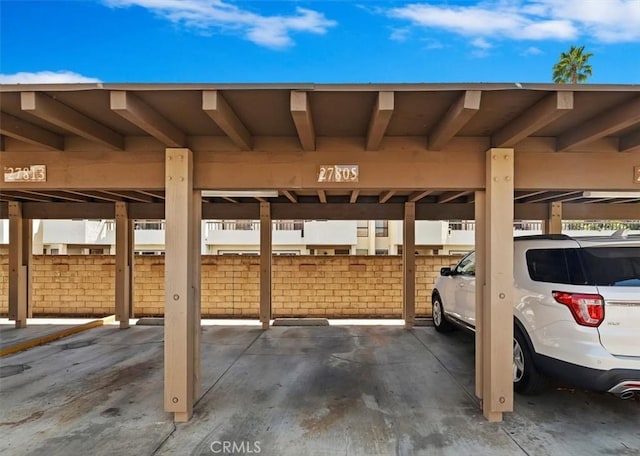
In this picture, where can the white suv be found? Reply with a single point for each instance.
(576, 311)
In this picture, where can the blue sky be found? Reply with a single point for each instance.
(313, 41)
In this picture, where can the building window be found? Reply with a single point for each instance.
(341, 251)
(382, 252)
(382, 228)
(362, 252)
(363, 228)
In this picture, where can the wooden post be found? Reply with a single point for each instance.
(497, 319)
(196, 262)
(131, 247)
(409, 265)
(20, 243)
(182, 286)
(123, 265)
(553, 223)
(480, 234)
(265, 264)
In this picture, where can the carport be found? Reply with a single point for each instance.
(489, 152)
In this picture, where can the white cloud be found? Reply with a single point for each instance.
(399, 34)
(206, 15)
(45, 77)
(533, 20)
(532, 50)
(481, 43)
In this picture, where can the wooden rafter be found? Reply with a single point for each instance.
(603, 124)
(322, 196)
(301, 114)
(291, 196)
(385, 196)
(27, 132)
(56, 113)
(136, 111)
(450, 196)
(216, 107)
(465, 107)
(354, 196)
(545, 111)
(417, 196)
(380, 117)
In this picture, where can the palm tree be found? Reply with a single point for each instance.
(572, 67)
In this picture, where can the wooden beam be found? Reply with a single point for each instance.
(66, 196)
(380, 117)
(56, 113)
(385, 196)
(180, 376)
(553, 222)
(497, 318)
(522, 195)
(291, 196)
(136, 111)
(546, 196)
(480, 210)
(354, 196)
(20, 265)
(103, 196)
(123, 266)
(158, 195)
(27, 132)
(630, 142)
(322, 196)
(467, 106)
(133, 195)
(450, 196)
(541, 114)
(216, 107)
(25, 195)
(618, 118)
(417, 196)
(409, 265)
(265, 264)
(231, 200)
(301, 114)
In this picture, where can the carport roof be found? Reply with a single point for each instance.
(246, 118)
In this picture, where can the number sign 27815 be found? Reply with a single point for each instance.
(338, 173)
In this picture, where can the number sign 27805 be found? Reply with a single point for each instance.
(338, 173)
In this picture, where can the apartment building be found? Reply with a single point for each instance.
(290, 237)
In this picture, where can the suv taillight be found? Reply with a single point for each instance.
(587, 309)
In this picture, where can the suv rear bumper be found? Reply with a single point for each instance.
(588, 378)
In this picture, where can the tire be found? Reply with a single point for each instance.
(439, 320)
(526, 378)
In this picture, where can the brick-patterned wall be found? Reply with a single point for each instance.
(336, 286)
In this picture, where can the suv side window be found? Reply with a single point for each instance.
(467, 265)
(555, 266)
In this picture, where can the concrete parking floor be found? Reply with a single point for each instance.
(352, 390)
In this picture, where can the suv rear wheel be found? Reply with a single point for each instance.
(526, 378)
(439, 320)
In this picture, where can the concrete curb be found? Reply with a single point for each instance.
(55, 336)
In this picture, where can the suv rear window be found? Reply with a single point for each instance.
(555, 266)
(612, 266)
(603, 266)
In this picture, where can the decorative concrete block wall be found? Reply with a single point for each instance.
(334, 287)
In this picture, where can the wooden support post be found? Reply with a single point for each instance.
(196, 250)
(20, 244)
(131, 247)
(182, 286)
(123, 265)
(265, 264)
(480, 234)
(497, 319)
(553, 223)
(409, 265)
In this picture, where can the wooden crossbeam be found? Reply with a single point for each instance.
(380, 117)
(385, 196)
(460, 112)
(417, 196)
(136, 111)
(301, 114)
(630, 142)
(450, 196)
(56, 113)
(322, 196)
(291, 196)
(216, 107)
(27, 132)
(354, 196)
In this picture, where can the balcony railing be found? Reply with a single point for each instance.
(254, 225)
(535, 225)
